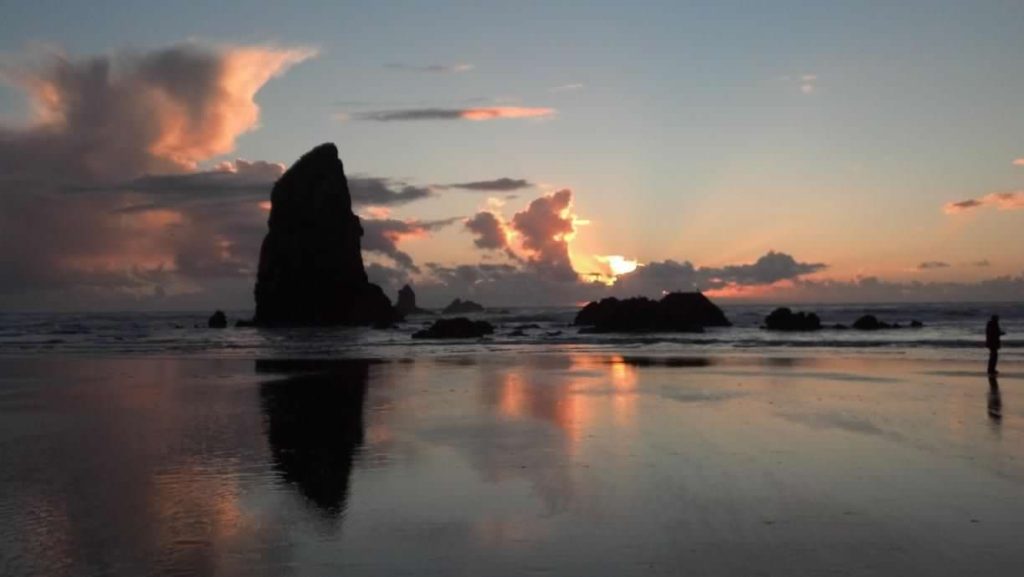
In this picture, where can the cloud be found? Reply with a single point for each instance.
(129, 114)
(1018, 162)
(491, 233)
(655, 278)
(503, 184)
(435, 68)
(546, 227)
(932, 264)
(368, 190)
(981, 263)
(566, 87)
(474, 114)
(999, 200)
(382, 236)
(80, 216)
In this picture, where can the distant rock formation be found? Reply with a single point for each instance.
(218, 320)
(311, 265)
(457, 328)
(783, 319)
(461, 307)
(871, 323)
(675, 312)
(406, 304)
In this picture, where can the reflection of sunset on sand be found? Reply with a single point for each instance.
(574, 463)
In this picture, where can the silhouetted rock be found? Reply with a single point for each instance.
(311, 265)
(457, 328)
(871, 323)
(783, 319)
(406, 304)
(218, 320)
(461, 307)
(675, 312)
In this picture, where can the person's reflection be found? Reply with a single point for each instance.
(314, 424)
(995, 400)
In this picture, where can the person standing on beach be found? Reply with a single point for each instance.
(993, 332)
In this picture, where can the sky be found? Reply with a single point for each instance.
(533, 153)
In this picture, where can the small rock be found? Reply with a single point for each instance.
(217, 320)
(457, 328)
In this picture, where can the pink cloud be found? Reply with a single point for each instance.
(998, 200)
(506, 112)
(132, 113)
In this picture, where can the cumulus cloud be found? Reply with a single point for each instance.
(932, 264)
(383, 236)
(998, 200)
(545, 228)
(474, 114)
(435, 68)
(503, 184)
(79, 212)
(490, 231)
(129, 114)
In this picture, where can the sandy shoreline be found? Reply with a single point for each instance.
(564, 464)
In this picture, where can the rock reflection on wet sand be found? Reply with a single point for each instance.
(507, 465)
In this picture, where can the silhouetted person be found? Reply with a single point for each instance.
(993, 341)
(995, 400)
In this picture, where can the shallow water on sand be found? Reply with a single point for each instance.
(567, 464)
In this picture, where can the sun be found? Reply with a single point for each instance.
(619, 264)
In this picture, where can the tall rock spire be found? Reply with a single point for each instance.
(311, 264)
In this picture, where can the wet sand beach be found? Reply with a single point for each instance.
(547, 464)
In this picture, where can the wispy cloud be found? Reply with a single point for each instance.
(999, 200)
(981, 263)
(932, 264)
(567, 87)
(1018, 162)
(475, 114)
(502, 184)
(434, 68)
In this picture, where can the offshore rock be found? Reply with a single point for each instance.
(218, 320)
(457, 328)
(311, 265)
(406, 304)
(461, 307)
(783, 319)
(675, 312)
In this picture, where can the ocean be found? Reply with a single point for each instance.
(952, 330)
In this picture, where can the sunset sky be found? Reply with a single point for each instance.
(518, 152)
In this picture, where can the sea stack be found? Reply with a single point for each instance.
(406, 304)
(311, 264)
